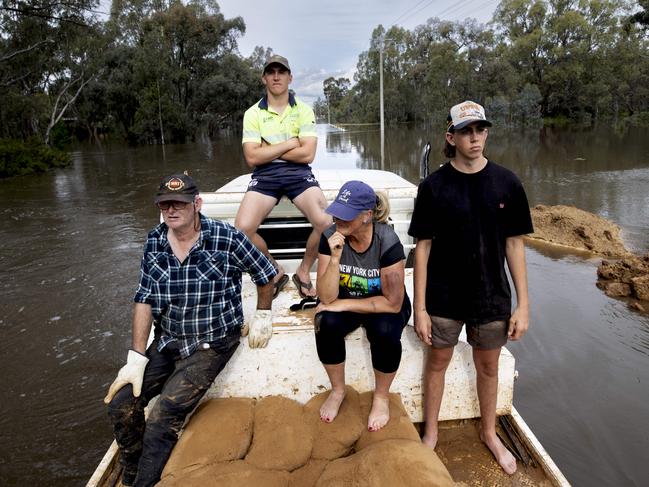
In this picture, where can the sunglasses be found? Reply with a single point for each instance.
(177, 205)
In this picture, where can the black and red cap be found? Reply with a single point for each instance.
(177, 187)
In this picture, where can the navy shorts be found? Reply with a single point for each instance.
(277, 179)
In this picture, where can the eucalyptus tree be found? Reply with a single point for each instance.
(182, 64)
(569, 50)
(335, 92)
(641, 17)
(47, 51)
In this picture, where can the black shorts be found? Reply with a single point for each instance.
(277, 179)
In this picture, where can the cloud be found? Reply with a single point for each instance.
(307, 83)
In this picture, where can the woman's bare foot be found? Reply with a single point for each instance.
(503, 456)
(379, 414)
(331, 406)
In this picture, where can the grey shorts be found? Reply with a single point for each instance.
(484, 336)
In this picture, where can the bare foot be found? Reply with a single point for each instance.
(331, 406)
(503, 456)
(379, 414)
(430, 440)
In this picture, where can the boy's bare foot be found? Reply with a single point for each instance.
(379, 414)
(503, 456)
(331, 406)
(430, 440)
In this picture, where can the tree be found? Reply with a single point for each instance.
(180, 71)
(46, 58)
(642, 17)
(335, 91)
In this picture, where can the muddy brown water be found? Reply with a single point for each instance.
(71, 242)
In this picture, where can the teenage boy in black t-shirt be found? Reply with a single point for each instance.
(469, 219)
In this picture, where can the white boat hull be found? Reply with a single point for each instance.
(289, 365)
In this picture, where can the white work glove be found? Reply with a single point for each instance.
(261, 328)
(131, 373)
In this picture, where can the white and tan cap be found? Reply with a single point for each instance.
(465, 113)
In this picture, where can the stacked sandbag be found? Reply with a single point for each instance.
(277, 442)
(399, 426)
(307, 475)
(282, 439)
(227, 474)
(220, 430)
(388, 463)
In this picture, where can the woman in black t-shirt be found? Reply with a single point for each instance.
(360, 283)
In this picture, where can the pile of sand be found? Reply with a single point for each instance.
(625, 277)
(578, 229)
(279, 442)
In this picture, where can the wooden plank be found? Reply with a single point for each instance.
(534, 445)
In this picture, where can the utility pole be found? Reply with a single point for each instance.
(381, 102)
(162, 132)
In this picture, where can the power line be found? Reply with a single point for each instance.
(408, 11)
(460, 7)
(413, 12)
(453, 8)
(447, 11)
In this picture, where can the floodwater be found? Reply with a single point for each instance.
(71, 243)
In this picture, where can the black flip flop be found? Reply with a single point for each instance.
(305, 303)
(279, 285)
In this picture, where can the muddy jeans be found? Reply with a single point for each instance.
(181, 384)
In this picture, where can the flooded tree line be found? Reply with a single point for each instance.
(150, 70)
(558, 61)
(157, 71)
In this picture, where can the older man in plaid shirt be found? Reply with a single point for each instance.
(190, 289)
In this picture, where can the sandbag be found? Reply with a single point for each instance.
(307, 475)
(388, 463)
(220, 430)
(399, 426)
(282, 439)
(335, 439)
(228, 474)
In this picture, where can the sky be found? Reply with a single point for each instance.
(324, 38)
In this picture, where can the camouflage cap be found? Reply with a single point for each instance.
(277, 59)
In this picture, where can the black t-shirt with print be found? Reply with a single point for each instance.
(468, 217)
(360, 272)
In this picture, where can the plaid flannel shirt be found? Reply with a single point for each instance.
(199, 301)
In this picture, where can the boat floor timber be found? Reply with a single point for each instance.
(470, 462)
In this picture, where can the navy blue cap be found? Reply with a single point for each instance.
(353, 198)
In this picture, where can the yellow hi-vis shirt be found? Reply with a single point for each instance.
(260, 122)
